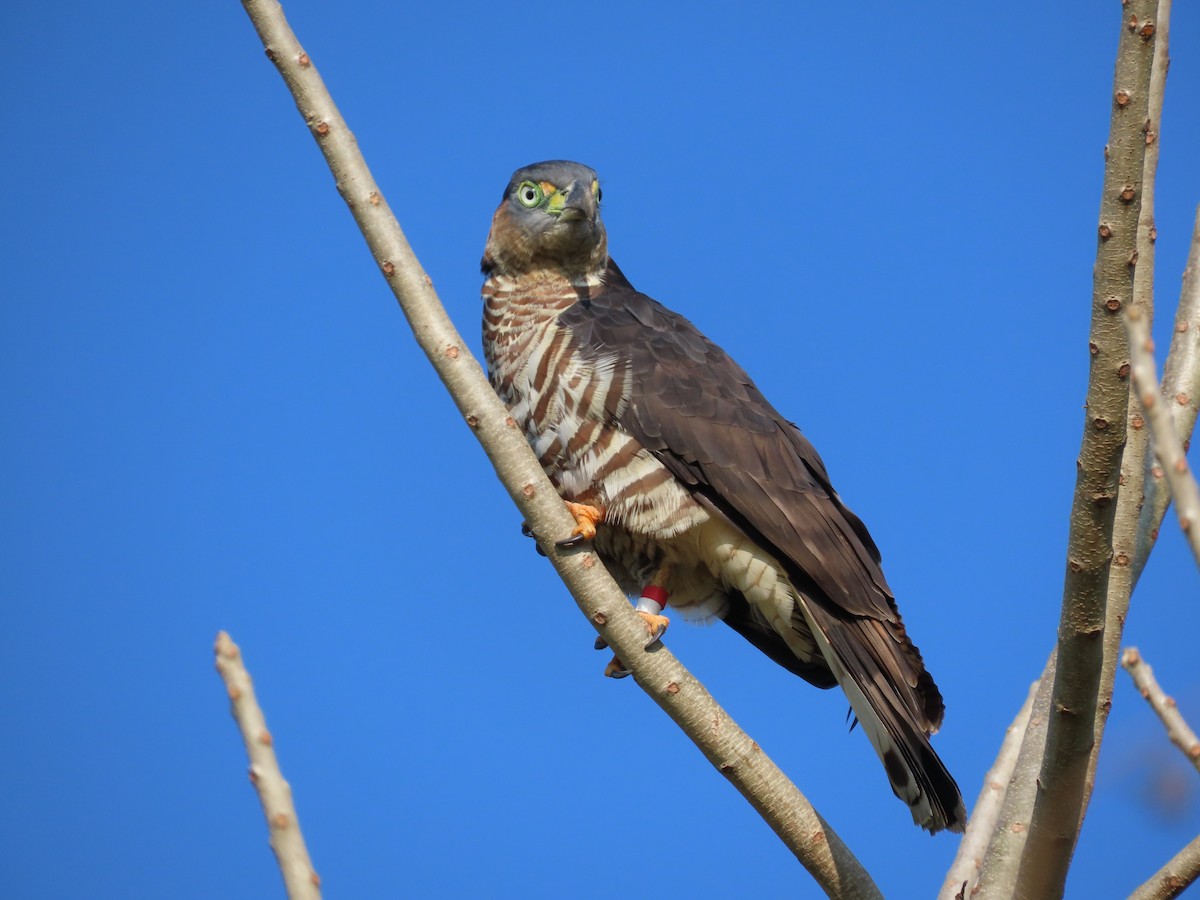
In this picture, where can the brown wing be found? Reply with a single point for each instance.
(703, 417)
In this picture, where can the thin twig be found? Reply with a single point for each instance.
(1167, 445)
(656, 670)
(1173, 878)
(274, 793)
(1181, 371)
(1178, 731)
(968, 862)
(1181, 392)
(1062, 784)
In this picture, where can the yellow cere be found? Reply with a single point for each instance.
(557, 200)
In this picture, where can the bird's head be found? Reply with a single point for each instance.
(549, 219)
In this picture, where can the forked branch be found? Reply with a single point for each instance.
(1071, 734)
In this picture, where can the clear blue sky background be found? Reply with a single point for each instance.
(214, 416)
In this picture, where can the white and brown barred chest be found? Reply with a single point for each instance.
(569, 400)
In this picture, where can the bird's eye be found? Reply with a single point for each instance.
(530, 194)
(596, 190)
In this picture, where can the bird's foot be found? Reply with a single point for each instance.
(655, 627)
(586, 518)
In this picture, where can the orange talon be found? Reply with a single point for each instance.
(586, 517)
(615, 669)
(655, 625)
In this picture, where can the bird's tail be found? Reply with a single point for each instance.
(898, 706)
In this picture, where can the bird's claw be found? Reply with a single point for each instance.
(656, 626)
(530, 533)
(586, 516)
(615, 669)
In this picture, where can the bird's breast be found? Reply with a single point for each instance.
(570, 400)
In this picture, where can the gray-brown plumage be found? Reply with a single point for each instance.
(701, 487)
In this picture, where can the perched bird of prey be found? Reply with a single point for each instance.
(695, 491)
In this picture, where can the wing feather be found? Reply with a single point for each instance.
(701, 415)
(704, 419)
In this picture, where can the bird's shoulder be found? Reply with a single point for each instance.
(672, 363)
(678, 374)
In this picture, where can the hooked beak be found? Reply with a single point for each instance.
(574, 203)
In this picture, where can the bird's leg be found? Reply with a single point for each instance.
(649, 606)
(652, 602)
(586, 518)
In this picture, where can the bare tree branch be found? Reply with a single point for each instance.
(1181, 372)
(1127, 529)
(1173, 878)
(998, 871)
(1070, 737)
(1178, 731)
(1181, 391)
(274, 793)
(1167, 445)
(729, 749)
(968, 862)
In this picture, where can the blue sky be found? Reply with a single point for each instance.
(216, 418)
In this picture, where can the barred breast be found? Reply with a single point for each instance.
(569, 400)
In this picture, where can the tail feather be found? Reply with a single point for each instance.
(898, 707)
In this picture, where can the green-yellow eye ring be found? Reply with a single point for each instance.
(530, 194)
(596, 190)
